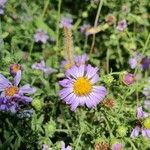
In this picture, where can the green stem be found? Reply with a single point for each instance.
(95, 23)
(31, 48)
(108, 126)
(132, 144)
(107, 60)
(85, 43)
(45, 8)
(57, 25)
(79, 138)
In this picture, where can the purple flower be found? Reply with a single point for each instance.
(14, 69)
(41, 36)
(2, 6)
(66, 22)
(63, 146)
(145, 63)
(79, 60)
(135, 60)
(117, 146)
(12, 94)
(79, 89)
(121, 25)
(142, 125)
(84, 28)
(138, 60)
(128, 78)
(42, 66)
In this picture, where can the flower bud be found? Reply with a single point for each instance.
(84, 14)
(101, 144)
(37, 104)
(122, 131)
(128, 78)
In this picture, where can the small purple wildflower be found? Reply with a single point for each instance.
(42, 66)
(138, 60)
(14, 69)
(63, 146)
(121, 25)
(110, 19)
(79, 60)
(145, 63)
(2, 6)
(12, 94)
(66, 22)
(84, 27)
(128, 78)
(41, 36)
(117, 146)
(132, 63)
(143, 124)
(79, 89)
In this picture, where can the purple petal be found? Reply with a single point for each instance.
(74, 105)
(91, 71)
(95, 78)
(74, 72)
(26, 89)
(65, 83)
(70, 98)
(146, 133)
(140, 113)
(64, 92)
(135, 132)
(88, 102)
(4, 83)
(17, 78)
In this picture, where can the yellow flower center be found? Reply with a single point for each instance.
(10, 91)
(147, 123)
(82, 86)
(16, 67)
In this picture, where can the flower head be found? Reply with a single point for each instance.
(109, 103)
(63, 146)
(79, 89)
(128, 78)
(2, 5)
(142, 125)
(145, 63)
(42, 66)
(14, 69)
(79, 60)
(66, 22)
(121, 25)
(110, 19)
(117, 146)
(12, 94)
(84, 28)
(41, 36)
(101, 146)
